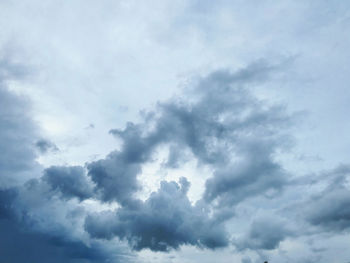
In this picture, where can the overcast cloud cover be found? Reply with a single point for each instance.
(174, 131)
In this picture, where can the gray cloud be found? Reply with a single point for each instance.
(115, 177)
(166, 220)
(17, 137)
(330, 209)
(20, 242)
(94, 56)
(246, 260)
(224, 121)
(6, 202)
(224, 127)
(256, 174)
(33, 225)
(45, 145)
(18, 131)
(221, 124)
(219, 127)
(265, 233)
(69, 181)
(30, 235)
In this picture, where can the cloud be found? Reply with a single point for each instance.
(330, 209)
(35, 226)
(45, 145)
(166, 220)
(235, 139)
(18, 134)
(32, 235)
(225, 127)
(265, 233)
(246, 260)
(20, 244)
(115, 177)
(256, 174)
(69, 181)
(21, 241)
(6, 199)
(222, 122)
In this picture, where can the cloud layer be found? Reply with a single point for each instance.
(248, 162)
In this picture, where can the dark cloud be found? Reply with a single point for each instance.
(257, 173)
(330, 209)
(115, 177)
(223, 122)
(7, 196)
(21, 241)
(18, 133)
(175, 158)
(69, 181)
(17, 137)
(265, 234)
(33, 224)
(18, 244)
(221, 125)
(224, 126)
(45, 146)
(166, 220)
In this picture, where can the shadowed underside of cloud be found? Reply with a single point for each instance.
(165, 220)
(264, 233)
(330, 209)
(31, 225)
(69, 181)
(19, 245)
(115, 177)
(19, 242)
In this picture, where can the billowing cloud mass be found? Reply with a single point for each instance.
(69, 181)
(32, 224)
(225, 128)
(221, 125)
(174, 132)
(329, 209)
(165, 220)
(265, 233)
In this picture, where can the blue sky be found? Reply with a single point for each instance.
(174, 131)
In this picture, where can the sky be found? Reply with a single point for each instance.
(174, 131)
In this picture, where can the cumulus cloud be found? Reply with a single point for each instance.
(35, 226)
(265, 233)
(220, 126)
(256, 174)
(223, 123)
(164, 221)
(69, 181)
(21, 240)
(330, 209)
(115, 177)
(224, 127)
